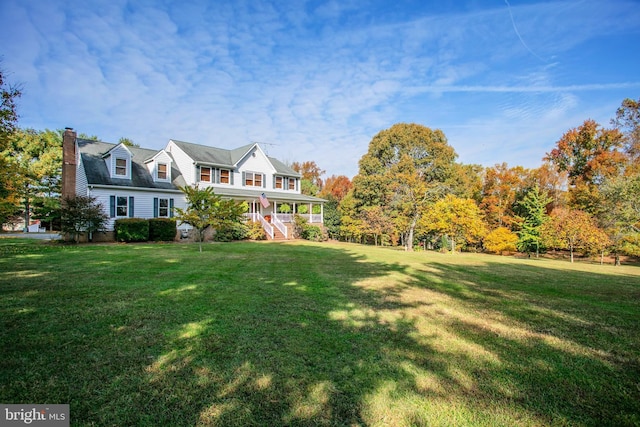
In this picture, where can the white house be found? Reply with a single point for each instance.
(143, 183)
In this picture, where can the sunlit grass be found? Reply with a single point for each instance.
(316, 334)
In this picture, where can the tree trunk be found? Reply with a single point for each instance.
(617, 264)
(412, 228)
(453, 245)
(571, 251)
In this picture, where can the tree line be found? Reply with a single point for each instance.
(410, 190)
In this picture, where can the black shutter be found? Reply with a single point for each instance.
(155, 207)
(244, 178)
(112, 206)
(264, 181)
(170, 208)
(131, 211)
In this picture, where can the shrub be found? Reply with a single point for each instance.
(303, 209)
(312, 232)
(284, 208)
(162, 229)
(132, 230)
(231, 232)
(255, 231)
(501, 240)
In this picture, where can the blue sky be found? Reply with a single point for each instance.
(317, 80)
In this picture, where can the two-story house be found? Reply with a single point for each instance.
(143, 183)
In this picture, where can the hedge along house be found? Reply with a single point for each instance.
(144, 183)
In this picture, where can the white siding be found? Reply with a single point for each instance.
(143, 201)
(183, 162)
(81, 178)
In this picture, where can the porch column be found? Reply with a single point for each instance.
(322, 213)
(275, 209)
(311, 212)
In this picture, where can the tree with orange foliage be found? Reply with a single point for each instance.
(589, 154)
(502, 185)
(336, 187)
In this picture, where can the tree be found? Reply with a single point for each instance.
(35, 160)
(128, 142)
(8, 121)
(628, 122)
(376, 223)
(205, 210)
(404, 171)
(336, 187)
(620, 216)
(501, 188)
(500, 240)
(311, 181)
(533, 211)
(82, 214)
(8, 111)
(458, 219)
(552, 181)
(589, 154)
(569, 229)
(466, 181)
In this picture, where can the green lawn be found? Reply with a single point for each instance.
(316, 334)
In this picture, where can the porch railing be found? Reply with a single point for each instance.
(288, 218)
(280, 226)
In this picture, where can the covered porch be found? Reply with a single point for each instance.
(276, 210)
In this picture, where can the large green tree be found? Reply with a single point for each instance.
(34, 161)
(8, 122)
(404, 171)
(533, 213)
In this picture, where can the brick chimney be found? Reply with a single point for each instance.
(69, 162)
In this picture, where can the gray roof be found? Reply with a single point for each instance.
(229, 158)
(97, 172)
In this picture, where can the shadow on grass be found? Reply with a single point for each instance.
(282, 334)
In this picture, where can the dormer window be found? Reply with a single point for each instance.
(162, 171)
(121, 167)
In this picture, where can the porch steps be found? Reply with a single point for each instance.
(277, 235)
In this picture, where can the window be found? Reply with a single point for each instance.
(122, 206)
(121, 167)
(278, 183)
(252, 179)
(163, 208)
(205, 174)
(292, 183)
(224, 176)
(162, 171)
